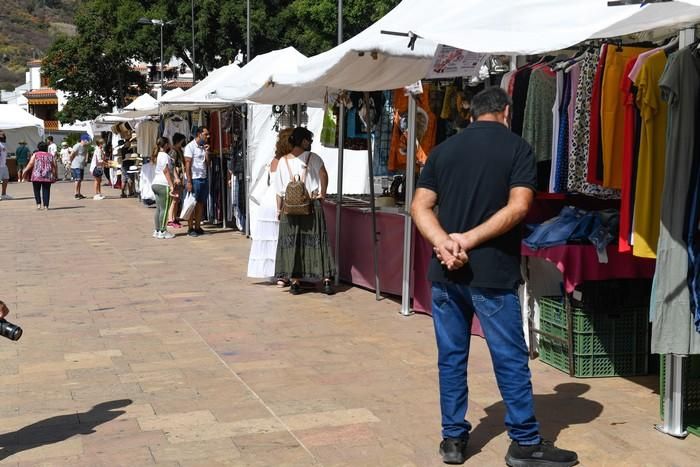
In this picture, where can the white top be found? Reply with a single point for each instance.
(3, 155)
(308, 160)
(198, 155)
(161, 164)
(65, 155)
(53, 149)
(96, 157)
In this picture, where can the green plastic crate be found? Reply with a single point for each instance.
(613, 342)
(691, 395)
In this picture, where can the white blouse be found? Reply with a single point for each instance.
(308, 160)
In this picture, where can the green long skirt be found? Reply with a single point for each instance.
(303, 249)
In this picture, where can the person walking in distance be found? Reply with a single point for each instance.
(196, 162)
(53, 149)
(163, 187)
(483, 181)
(97, 167)
(22, 157)
(4, 172)
(177, 168)
(65, 160)
(42, 171)
(77, 163)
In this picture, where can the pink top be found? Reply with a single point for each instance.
(43, 168)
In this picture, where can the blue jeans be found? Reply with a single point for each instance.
(200, 187)
(498, 311)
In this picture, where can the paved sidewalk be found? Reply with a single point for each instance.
(151, 352)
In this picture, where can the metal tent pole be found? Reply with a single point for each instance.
(246, 124)
(408, 222)
(373, 207)
(339, 205)
(223, 173)
(674, 381)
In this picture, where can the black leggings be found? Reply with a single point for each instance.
(42, 190)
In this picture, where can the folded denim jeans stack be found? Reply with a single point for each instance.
(574, 225)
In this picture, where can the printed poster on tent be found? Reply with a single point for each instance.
(450, 62)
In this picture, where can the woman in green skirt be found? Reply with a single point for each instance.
(303, 249)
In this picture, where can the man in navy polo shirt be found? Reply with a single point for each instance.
(483, 181)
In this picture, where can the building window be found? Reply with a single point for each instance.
(44, 81)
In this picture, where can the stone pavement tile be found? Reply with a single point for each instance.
(33, 453)
(224, 430)
(203, 451)
(260, 450)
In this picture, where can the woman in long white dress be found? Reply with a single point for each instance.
(265, 230)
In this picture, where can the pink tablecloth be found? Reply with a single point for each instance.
(579, 263)
(356, 263)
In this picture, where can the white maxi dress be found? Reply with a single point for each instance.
(264, 232)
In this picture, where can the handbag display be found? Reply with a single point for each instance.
(297, 201)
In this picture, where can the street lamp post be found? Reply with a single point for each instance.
(161, 23)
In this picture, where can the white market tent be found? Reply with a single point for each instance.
(19, 125)
(147, 108)
(143, 102)
(203, 95)
(535, 26)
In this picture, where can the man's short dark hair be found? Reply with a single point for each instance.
(50, 138)
(42, 146)
(489, 101)
(178, 137)
(199, 130)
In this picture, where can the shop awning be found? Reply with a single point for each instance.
(535, 26)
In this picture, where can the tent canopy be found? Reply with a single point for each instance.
(144, 101)
(204, 95)
(370, 61)
(535, 26)
(19, 125)
(255, 75)
(147, 111)
(13, 116)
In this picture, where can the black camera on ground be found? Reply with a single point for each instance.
(9, 330)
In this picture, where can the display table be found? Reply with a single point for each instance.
(579, 263)
(356, 264)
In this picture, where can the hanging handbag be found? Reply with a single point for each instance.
(329, 131)
(297, 201)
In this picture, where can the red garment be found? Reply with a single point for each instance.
(579, 263)
(628, 155)
(594, 146)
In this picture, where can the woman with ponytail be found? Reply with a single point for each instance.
(163, 187)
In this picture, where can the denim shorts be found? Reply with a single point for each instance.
(200, 187)
(78, 174)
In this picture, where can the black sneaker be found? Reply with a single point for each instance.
(123, 195)
(544, 454)
(328, 288)
(76, 196)
(295, 288)
(200, 231)
(80, 196)
(453, 451)
(192, 233)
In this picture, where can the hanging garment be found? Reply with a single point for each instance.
(425, 129)
(631, 135)
(652, 156)
(612, 113)
(672, 323)
(174, 125)
(579, 150)
(520, 83)
(595, 155)
(146, 133)
(382, 141)
(556, 122)
(537, 119)
(561, 169)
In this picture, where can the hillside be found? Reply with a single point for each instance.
(27, 29)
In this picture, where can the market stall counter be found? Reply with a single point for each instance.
(356, 264)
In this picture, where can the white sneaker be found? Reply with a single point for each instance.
(156, 234)
(166, 235)
(98, 197)
(6, 197)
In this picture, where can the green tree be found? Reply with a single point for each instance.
(95, 66)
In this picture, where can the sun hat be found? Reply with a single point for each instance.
(84, 137)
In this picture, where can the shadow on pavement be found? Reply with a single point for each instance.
(66, 207)
(60, 428)
(555, 412)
